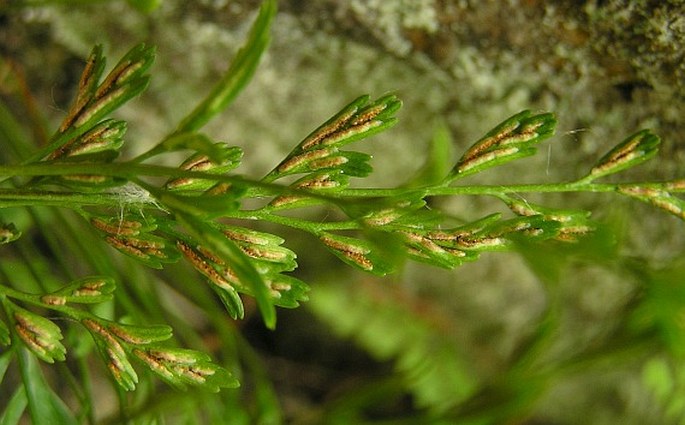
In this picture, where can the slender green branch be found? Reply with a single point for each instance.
(71, 312)
(24, 198)
(512, 188)
(259, 188)
(313, 227)
(238, 75)
(128, 171)
(150, 153)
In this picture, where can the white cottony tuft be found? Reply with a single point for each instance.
(132, 195)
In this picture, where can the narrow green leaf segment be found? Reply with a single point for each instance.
(245, 271)
(513, 139)
(239, 74)
(319, 152)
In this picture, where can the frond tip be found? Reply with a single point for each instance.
(514, 138)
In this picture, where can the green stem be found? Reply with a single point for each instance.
(297, 223)
(497, 189)
(259, 188)
(23, 198)
(152, 152)
(128, 170)
(71, 312)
